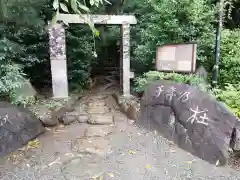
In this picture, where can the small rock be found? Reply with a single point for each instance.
(48, 120)
(59, 112)
(133, 112)
(99, 131)
(83, 117)
(101, 119)
(69, 117)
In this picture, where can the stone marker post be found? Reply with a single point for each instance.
(58, 60)
(125, 31)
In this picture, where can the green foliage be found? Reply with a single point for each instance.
(28, 37)
(147, 78)
(170, 21)
(10, 74)
(23, 101)
(23, 12)
(80, 51)
(230, 57)
(230, 95)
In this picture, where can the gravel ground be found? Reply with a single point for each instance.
(135, 154)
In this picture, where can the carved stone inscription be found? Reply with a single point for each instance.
(5, 119)
(197, 115)
(191, 118)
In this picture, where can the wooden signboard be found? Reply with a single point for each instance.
(177, 57)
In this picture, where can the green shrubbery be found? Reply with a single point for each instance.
(230, 57)
(230, 95)
(147, 78)
(10, 73)
(79, 55)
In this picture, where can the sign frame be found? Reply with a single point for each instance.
(193, 57)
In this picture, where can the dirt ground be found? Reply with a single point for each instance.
(119, 150)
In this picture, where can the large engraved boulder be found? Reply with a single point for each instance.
(17, 127)
(191, 118)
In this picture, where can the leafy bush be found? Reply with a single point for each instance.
(230, 57)
(10, 74)
(25, 27)
(79, 55)
(143, 81)
(230, 95)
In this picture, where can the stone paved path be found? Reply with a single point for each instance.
(119, 151)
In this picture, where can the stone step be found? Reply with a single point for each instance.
(98, 110)
(101, 119)
(98, 131)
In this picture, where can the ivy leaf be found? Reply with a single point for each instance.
(64, 7)
(55, 4)
(97, 33)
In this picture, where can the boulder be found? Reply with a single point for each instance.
(191, 118)
(69, 117)
(17, 127)
(83, 117)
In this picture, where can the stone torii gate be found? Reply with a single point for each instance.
(57, 45)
